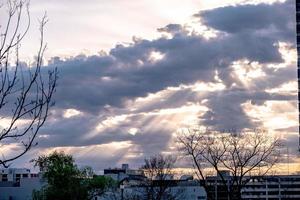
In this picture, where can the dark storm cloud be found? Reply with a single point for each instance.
(226, 110)
(253, 19)
(90, 83)
(101, 85)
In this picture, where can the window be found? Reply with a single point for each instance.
(4, 178)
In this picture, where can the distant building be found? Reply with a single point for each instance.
(119, 174)
(15, 174)
(216, 188)
(132, 185)
(275, 187)
(279, 187)
(179, 189)
(18, 184)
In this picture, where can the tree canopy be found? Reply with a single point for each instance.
(65, 181)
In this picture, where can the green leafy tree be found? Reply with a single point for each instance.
(65, 181)
(99, 185)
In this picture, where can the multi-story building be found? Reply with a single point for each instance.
(279, 187)
(15, 174)
(275, 187)
(173, 189)
(133, 185)
(119, 174)
(18, 184)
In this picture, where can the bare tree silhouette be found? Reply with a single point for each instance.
(242, 154)
(25, 92)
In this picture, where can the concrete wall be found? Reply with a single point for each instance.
(23, 192)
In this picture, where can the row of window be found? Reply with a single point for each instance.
(274, 186)
(283, 193)
(17, 177)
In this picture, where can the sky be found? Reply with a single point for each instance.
(133, 73)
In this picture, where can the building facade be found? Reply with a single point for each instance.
(19, 183)
(275, 187)
(280, 187)
(176, 189)
(134, 185)
(15, 174)
(120, 174)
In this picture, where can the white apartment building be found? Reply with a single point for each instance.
(119, 174)
(15, 174)
(178, 189)
(273, 187)
(18, 184)
(277, 187)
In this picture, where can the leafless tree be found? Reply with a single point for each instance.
(25, 92)
(242, 154)
(158, 170)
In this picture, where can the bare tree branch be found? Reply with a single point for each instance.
(25, 98)
(158, 169)
(240, 154)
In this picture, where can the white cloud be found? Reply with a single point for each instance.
(69, 113)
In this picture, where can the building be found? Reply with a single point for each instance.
(15, 174)
(21, 191)
(275, 187)
(119, 174)
(185, 188)
(216, 188)
(279, 187)
(133, 185)
(178, 189)
(18, 184)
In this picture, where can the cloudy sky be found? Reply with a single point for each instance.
(133, 72)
